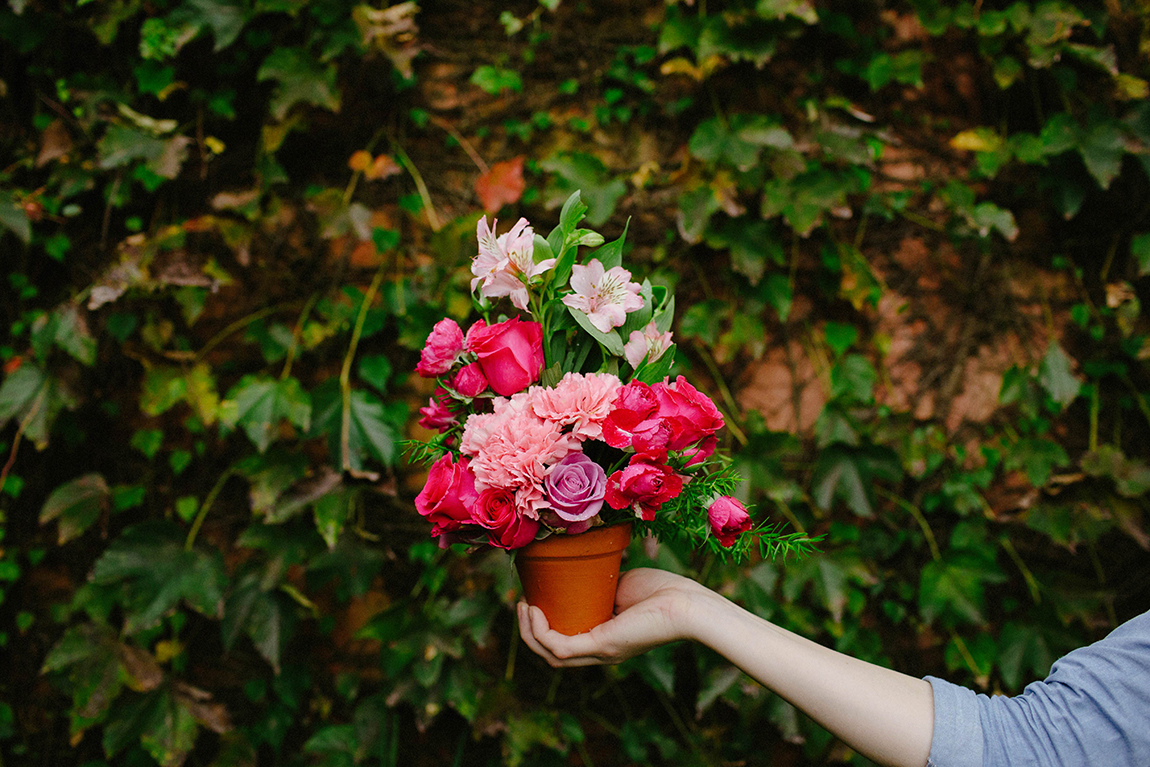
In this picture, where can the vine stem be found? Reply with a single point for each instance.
(345, 371)
(484, 168)
(1031, 582)
(725, 391)
(915, 512)
(202, 514)
(295, 336)
(428, 205)
(242, 322)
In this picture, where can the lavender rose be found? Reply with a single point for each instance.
(576, 487)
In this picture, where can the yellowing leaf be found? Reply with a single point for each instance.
(977, 140)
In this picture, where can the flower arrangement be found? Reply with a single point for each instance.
(562, 415)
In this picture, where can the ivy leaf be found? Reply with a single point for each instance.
(1102, 148)
(301, 80)
(87, 653)
(1038, 457)
(256, 609)
(76, 505)
(751, 241)
(122, 145)
(831, 575)
(954, 588)
(259, 403)
(32, 397)
(1140, 249)
(1057, 377)
(847, 473)
(149, 562)
(1023, 650)
(579, 171)
(14, 218)
(372, 426)
(737, 141)
(225, 19)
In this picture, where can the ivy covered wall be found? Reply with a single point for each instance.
(909, 242)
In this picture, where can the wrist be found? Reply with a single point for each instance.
(699, 610)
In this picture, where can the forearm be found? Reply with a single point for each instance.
(885, 715)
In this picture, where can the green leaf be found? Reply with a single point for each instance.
(494, 80)
(123, 145)
(611, 254)
(372, 427)
(847, 474)
(14, 218)
(1023, 653)
(1038, 457)
(256, 608)
(1102, 148)
(76, 505)
(259, 403)
(1140, 249)
(1056, 376)
(610, 340)
(301, 79)
(751, 241)
(840, 336)
(954, 588)
(156, 573)
(737, 141)
(32, 397)
(585, 173)
(225, 19)
(853, 378)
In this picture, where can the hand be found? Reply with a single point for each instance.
(651, 608)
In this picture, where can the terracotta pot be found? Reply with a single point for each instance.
(572, 578)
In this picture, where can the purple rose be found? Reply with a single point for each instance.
(576, 487)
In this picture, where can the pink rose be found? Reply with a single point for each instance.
(448, 497)
(510, 354)
(729, 519)
(507, 529)
(635, 421)
(470, 381)
(690, 413)
(436, 414)
(575, 488)
(644, 485)
(443, 346)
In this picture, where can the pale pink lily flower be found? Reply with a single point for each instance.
(506, 263)
(648, 342)
(605, 296)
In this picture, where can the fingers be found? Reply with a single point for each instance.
(559, 650)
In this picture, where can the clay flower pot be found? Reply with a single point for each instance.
(572, 578)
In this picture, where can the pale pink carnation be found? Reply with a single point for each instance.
(580, 401)
(514, 449)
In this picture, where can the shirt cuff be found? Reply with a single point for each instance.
(957, 738)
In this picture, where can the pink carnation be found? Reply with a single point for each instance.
(580, 401)
(513, 448)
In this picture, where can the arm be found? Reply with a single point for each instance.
(885, 715)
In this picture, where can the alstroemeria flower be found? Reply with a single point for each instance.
(648, 342)
(605, 296)
(505, 264)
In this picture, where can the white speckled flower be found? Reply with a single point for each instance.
(605, 296)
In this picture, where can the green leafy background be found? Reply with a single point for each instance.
(908, 242)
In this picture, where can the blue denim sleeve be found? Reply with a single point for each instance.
(1093, 709)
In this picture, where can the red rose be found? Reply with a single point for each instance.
(635, 421)
(644, 485)
(510, 353)
(507, 529)
(448, 497)
(690, 413)
(729, 519)
(470, 381)
(443, 346)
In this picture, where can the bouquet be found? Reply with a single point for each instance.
(556, 412)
